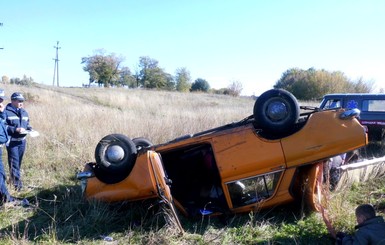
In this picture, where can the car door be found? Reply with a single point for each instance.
(163, 186)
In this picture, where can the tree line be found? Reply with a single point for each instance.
(25, 81)
(312, 84)
(106, 70)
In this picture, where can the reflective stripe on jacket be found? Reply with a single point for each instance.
(16, 119)
(3, 130)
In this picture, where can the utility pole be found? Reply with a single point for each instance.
(56, 68)
(1, 24)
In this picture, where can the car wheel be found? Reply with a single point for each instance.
(115, 156)
(141, 143)
(276, 111)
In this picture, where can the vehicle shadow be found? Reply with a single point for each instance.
(289, 222)
(61, 214)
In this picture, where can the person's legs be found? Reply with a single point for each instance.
(4, 194)
(21, 152)
(14, 163)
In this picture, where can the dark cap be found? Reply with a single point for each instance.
(2, 94)
(17, 96)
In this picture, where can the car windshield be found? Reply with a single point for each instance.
(332, 103)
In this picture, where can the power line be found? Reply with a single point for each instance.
(56, 68)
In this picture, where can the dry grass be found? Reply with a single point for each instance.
(71, 121)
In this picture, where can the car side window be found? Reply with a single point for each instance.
(332, 103)
(252, 190)
(373, 105)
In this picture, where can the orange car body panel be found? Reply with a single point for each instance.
(323, 135)
(140, 184)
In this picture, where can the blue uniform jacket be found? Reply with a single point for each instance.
(3, 130)
(16, 119)
(371, 231)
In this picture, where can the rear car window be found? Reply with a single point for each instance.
(373, 105)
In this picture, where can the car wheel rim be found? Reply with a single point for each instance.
(115, 153)
(277, 111)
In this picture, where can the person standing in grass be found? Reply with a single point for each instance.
(17, 120)
(370, 229)
(4, 194)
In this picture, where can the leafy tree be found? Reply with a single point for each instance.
(362, 86)
(146, 66)
(220, 91)
(183, 80)
(103, 69)
(313, 84)
(155, 78)
(15, 80)
(200, 84)
(288, 78)
(25, 81)
(126, 78)
(5, 79)
(170, 83)
(152, 76)
(235, 88)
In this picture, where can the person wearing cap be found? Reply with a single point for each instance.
(4, 194)
(17, 120)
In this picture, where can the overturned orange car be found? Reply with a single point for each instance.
(270, 158)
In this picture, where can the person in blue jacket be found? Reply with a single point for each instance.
(4, 194)
(17, 120)
(370, 229)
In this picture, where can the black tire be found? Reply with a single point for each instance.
(142, 143)
(276, 111)
(115, 157)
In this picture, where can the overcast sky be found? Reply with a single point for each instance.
(249, 41)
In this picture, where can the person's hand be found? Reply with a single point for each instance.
(2, 107)
(20, 130)
(339, 237)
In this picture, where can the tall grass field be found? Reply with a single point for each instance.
(71, 121)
